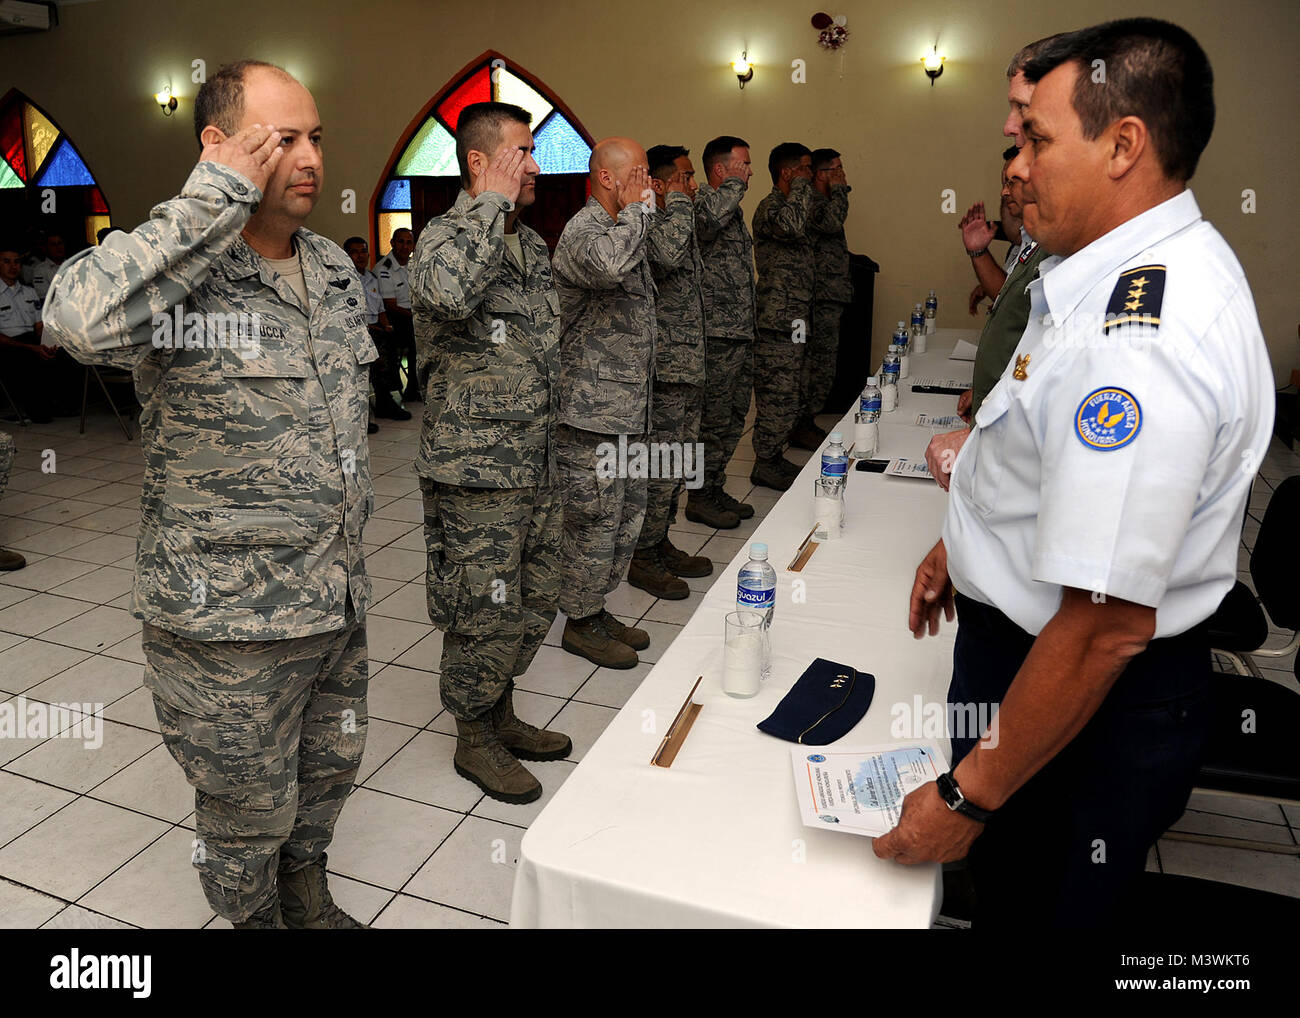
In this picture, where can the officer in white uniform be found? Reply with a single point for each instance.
(1097, 505)
(395, 289)
(380, 331)
(44, 270)
(24, 362)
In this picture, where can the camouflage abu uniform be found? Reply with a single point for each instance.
(249, 569)
(679, 351)
(607, 313)
(486, 332)
(832, 293)
(784, 257)
(6, 460)
(727, 284)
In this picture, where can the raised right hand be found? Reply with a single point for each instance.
(635, 188)
(255, 152)
(735, 167)
(504, 175)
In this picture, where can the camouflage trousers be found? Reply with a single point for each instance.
(675, 419)
(778, 373)
(491, 581)
(6, 460)
(602, 519)
(728, 384)
(270, 734)
(820, 356)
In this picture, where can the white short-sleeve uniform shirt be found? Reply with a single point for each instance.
(374, 302)
(20, 309)
(394, 282)
(1121, 462)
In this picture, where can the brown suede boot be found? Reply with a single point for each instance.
(703, 507)
(525, 741)
(482, 759)
(742, 509)
(10, 560)
(306, 903)
(647, 572)
(806, 435)
(265, 918)
(679, 563)
(590, 639)
(637, 639)
(769, 474)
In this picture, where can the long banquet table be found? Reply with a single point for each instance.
(716, 840)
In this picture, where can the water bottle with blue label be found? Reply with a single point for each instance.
(869, 401)
(866, 433)
(931, 314)
(835, 461)
(918, 320)
(756, 586)
(889, 373)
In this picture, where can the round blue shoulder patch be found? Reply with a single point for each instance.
(1108, 419)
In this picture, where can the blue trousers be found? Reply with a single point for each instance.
(1067, 849)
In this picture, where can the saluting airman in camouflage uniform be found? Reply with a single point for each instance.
(486, 329)
(832, 292)
(607, 315)
(727, 284)
(678, 372)
(250, 575)
(784, 257)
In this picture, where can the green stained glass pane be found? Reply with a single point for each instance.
(8, 178)
(431, 153)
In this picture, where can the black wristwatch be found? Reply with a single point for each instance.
(957, 802)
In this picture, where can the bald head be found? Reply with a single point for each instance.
(613, 162)
(221, 99)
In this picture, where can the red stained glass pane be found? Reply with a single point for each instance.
(11, 137)
(97, 204)
(477, 88)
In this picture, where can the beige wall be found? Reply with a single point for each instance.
(660, 73)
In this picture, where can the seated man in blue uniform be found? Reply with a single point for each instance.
(1097, 504)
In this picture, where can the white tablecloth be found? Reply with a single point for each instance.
(716, 840)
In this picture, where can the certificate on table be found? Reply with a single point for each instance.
(904, 467)
(924, 420)
(860, 791)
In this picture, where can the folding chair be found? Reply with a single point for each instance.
(116, 377)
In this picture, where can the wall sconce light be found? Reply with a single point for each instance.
(166, 101)
(933, 64)
(743, 68)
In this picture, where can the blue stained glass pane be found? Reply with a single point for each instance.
(397, 195)
(560, 148)
(64, 169)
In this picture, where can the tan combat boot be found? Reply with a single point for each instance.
(525, 741)
(679, 563)
(703, 507)
(483, 759)
(306, 903)
(265, 918)
(647, 572)
(637, 639)
(589, 638)
(742, 509)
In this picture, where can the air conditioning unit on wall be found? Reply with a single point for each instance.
(17, 16)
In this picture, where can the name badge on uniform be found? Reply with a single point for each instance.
(1108, 418)
(1137, 298)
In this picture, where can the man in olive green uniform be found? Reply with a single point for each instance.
(246, 335)
(784, 255)
(486, 328)
(607, 314)
(832, 292)
(678, 373)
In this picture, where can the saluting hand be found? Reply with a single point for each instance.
(677, 182)
(504, 175)
(976, 232)
(255, 152)
(636, 188)
(735, 167)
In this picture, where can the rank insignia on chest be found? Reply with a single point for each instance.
(1022, 368)
(1137, 298)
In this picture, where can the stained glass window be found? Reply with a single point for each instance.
(431, 153)
(560, 149)
(35, 153)
(477, 88)
(510, 88)
(397, 195)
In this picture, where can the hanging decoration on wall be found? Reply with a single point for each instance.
(832, 33)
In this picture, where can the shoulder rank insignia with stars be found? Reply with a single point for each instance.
(1137, 298)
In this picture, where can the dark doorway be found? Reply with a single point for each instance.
(559, 196)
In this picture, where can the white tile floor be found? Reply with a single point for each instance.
(103, 838)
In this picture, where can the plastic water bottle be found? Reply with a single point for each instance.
(869, 401)
(889, 379)
(931, 314)
(903, 340)
(835, 461)
(756, 585)
(866, 427)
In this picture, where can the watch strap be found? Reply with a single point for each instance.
(951, 794)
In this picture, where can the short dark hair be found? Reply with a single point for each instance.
(662, 160)
(479, 129)
(1009, 153)
(822, 157)
(347, 244)
(719, 150)
(221, 98)
(788, 153)
(401, 229)
(1154, 70)
(1027, 53)
(11, 244)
